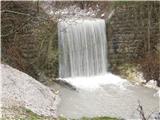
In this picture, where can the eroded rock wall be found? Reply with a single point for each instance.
(134, 36)
(132, 26)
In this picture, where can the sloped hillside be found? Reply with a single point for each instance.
(21, 90)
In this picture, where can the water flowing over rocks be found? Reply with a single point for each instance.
(19, 89)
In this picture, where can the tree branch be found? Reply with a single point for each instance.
(24, 14)
(15, 12)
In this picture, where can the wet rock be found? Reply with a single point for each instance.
(65, 84)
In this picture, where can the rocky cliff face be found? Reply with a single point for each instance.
(134, 36)
(133, 30)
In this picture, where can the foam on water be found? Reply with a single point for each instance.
(95, 82)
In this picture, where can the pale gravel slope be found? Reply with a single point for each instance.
(19, 89)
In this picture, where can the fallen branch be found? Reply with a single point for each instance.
(141, 111)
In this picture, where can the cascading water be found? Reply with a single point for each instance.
(82, 45)
(83, 53)
(83, 64)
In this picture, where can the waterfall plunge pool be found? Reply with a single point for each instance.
(118, 98)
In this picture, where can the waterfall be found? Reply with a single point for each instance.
(82, 48)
